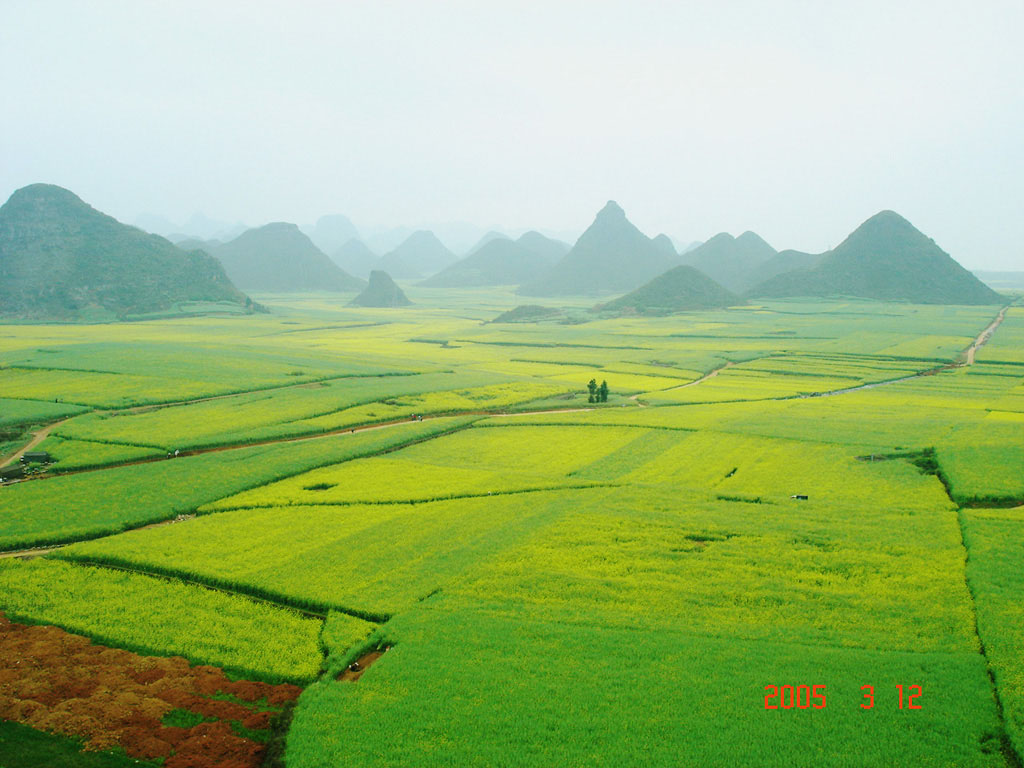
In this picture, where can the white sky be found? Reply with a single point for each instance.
(794, 118)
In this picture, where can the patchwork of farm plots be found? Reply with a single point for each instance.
(772, 496)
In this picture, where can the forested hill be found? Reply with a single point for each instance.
(885, 258)
(63, 260)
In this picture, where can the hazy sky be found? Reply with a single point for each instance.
(793, 118)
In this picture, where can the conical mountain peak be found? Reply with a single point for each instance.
(381, 291)
(611, 210)
(886, 258)
(612, 255)
(62, 259)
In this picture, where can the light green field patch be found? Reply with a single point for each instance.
(13, 412)
(465, 686)
(828, 574)
(373, 560)
(471, 462)
(93, 504)
(163, 618)
(79, 454)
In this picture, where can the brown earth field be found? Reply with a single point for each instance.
(63, 683)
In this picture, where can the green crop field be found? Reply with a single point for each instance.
(784, 494)
(159, 617)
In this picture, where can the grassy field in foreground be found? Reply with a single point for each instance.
(465, 686)
(596, 586)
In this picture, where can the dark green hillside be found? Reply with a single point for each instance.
(780, 263)
(885, 258)
(278, 257)
(730, 260)
(680, 289)
(420, 255)
(528, 313)
(381, 292)
(611, 256)
(63, 260)
(356, 258)
(498, 262)
(547, 247)
(664, 242)
(485, 239)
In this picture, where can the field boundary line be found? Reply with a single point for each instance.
(181, 516)
(311, 608)
(365, 426)
(1007, 747)
(413, 502)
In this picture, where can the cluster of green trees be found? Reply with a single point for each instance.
(598, 394)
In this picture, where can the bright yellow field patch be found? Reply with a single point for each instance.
(776, 469)
(471, 462)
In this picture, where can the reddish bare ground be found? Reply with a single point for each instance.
(55, 681)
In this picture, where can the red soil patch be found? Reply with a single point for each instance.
(63, 683)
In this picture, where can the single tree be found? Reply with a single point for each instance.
(592, 386)
(603, 392)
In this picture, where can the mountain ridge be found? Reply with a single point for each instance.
(64, 260)
(888, 259)
(279, 257)
(611, 256)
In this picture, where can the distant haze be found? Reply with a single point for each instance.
(793, 119)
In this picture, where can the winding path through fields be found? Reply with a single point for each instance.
(37, 438)
(984, 337)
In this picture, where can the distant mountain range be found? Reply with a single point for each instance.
(730, 260)
(381, 292)
(419, 255)
(501, 261)
(63, 260)
(888, 259)
(331, 232)
(1001, 281)
(611, 256)
(278, 257)
(781, 262)
(355, 258)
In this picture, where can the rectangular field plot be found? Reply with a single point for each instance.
(985, 460)
(309, 409)
(163, 618)
(829, 574)
(372, 560)
(90, 504)
(470, 687)
(13, 412)
(775, 469)
(471, 462)
(741, 383)
(68, 454)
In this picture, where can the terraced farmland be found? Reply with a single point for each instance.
(789, 494)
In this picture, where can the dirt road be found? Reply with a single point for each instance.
(38, 437)
(983, 337)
